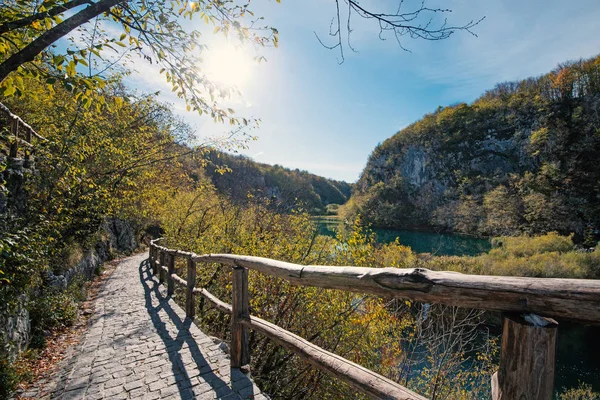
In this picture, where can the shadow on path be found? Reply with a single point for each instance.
(184, 371)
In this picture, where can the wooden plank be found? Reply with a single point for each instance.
(179, 280)
(161, 274)
(240, 351)
(5, 109)
(171, 271)
(190, 303)
(527, 358)
(573, 299)
(215, 302)
(361, 378)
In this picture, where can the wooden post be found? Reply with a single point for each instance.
(240, 352)
(14, 147)
(153, 253)
(190, 304)
(170, 281)
(527, 358)
(161, 273)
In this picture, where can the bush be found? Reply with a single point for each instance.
(332, 209)
(8, 378)
(51, 310)
(520, 246)
(582, 392)
(70, 255)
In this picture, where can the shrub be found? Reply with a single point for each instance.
(520, 246)
(332, 209)
(582, 392)
(68, 257)
(8, 378)
(394, 255)
(51, 310)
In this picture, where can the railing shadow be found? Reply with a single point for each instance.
(239, 382)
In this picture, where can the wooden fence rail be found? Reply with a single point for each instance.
(528, 341)
(22, 135)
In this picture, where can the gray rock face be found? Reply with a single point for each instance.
(422, 172)
(414, 166)
(14, 330)
(122, 235)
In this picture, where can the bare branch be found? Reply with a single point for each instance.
(420, 23)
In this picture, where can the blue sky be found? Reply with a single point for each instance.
(320, 116)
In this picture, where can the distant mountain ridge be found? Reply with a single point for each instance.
(286, 188)
(524, 157)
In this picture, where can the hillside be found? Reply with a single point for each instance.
(521, 158)
(287, 188)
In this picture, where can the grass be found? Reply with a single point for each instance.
(546, 256)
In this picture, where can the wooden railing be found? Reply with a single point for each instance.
(21, 134)
(528, 341)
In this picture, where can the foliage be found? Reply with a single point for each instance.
(366, 329)
(284, 188)
(332, 209)
(520, 159)
(519, 246)
(153, 32)
(51, 309)
(9, 378)
(97, 163)
(544, 256)
(582, 392)
(21, 258)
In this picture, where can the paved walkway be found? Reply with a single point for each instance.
(139, 345)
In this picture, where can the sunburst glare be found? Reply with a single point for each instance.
(228, 65)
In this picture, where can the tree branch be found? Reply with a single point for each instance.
(23, 22)
(29, 52)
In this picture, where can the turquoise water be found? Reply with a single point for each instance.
(578, 348)
(441, 244)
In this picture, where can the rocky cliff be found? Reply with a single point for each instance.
(521, 158)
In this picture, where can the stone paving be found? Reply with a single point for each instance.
(139, 345)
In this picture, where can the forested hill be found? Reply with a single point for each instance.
(521, 158)
(287, 188)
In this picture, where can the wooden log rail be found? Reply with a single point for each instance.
(22, 134)
(528, 341)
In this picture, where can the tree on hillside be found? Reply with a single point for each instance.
(155, 30)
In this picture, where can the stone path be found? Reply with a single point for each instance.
(139, 345)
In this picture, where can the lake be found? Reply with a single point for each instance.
(578, 352)
(441, 244)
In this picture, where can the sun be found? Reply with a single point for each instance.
(228, 66)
